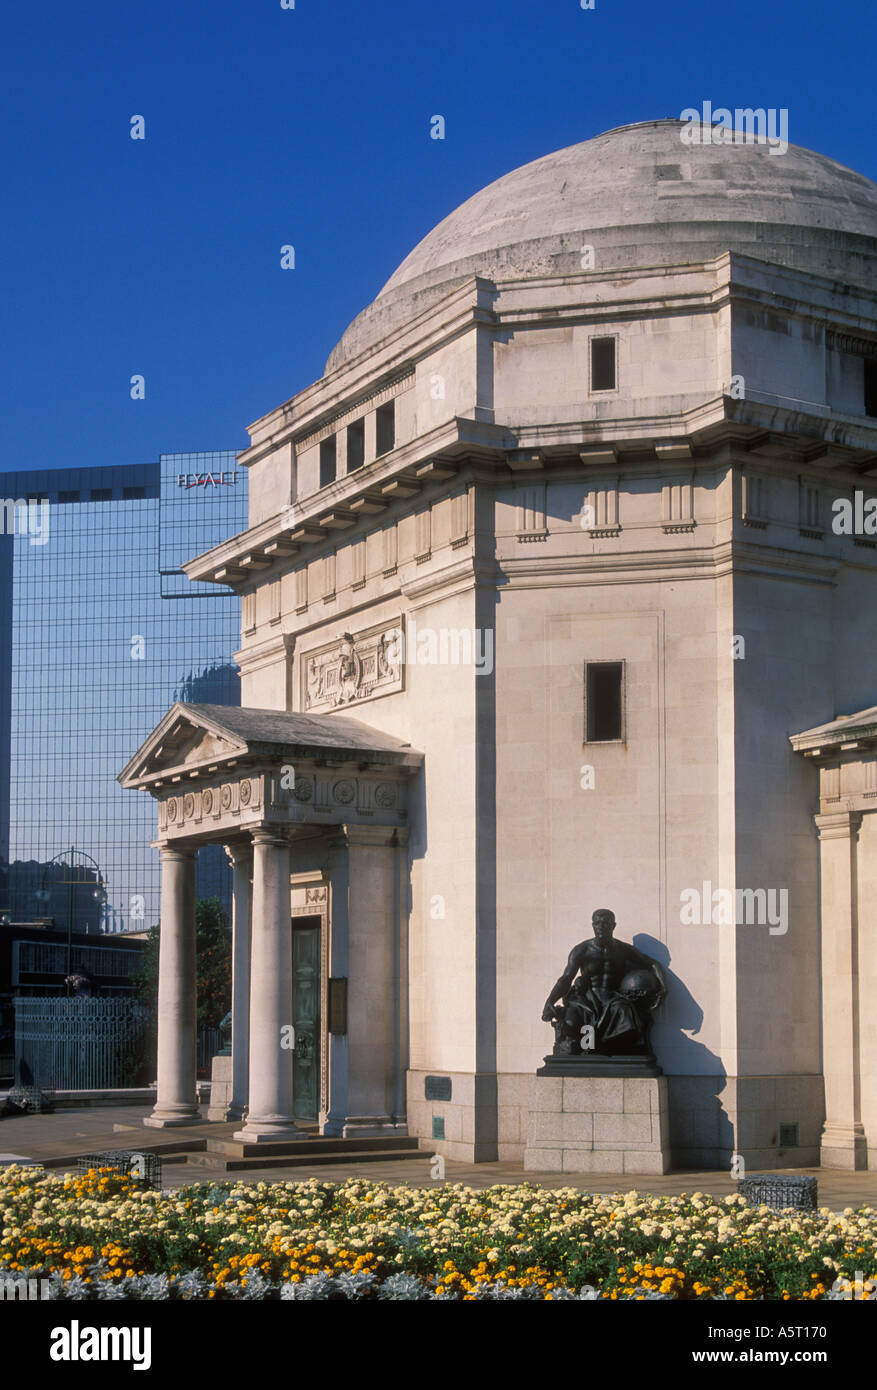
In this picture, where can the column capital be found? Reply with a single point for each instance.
(838, 825)
(176, 853)
(238, 853)
(267, 836)
(374, 836)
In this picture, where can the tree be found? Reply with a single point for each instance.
(212, 964)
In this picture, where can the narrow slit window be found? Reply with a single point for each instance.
(328, 453)
(602, 364)
(604, 682)
(871, 386)
(385, 427)
(355, 445)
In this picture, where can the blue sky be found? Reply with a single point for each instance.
(310, 126)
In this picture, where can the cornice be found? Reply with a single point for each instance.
(830, 745)
(769, 434)
(254, 657)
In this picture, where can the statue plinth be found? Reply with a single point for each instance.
(600, 1123)
(594, 1064)
(599, 1104)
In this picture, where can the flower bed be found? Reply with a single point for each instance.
(102, 1235)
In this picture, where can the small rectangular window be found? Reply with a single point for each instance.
(602, 364)
(133, 494)
(355, 445)
(603, 701)
(101, 494)
(385, 427)
(871, 386)
(69, 496)
(328, 460)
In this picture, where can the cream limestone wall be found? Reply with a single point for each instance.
(270, 484)
(693, 543)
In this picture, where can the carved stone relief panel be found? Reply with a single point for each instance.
(357, 667)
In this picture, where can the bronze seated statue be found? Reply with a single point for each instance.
(607, 996)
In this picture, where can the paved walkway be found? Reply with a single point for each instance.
(45, 1138)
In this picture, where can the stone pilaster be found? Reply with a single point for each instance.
(843, 1138)
(368, 947)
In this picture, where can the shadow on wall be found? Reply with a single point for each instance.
(700, 1130)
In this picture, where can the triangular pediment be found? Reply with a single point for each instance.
(182, 741)
(191, 739)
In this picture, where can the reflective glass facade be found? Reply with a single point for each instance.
(100, 631)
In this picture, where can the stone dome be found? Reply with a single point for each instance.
(641, 197)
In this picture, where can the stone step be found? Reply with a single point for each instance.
(322, 1158)
(235, 1148)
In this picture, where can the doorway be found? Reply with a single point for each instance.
(306, 1018)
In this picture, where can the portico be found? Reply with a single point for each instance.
(297, 800)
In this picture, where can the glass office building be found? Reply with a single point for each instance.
(100, 631)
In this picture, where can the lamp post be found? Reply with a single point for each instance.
(81, 869)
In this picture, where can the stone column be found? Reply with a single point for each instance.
(177, 1100)
(228, 1095)
(368, 946)
(270, 1115)
(843, 1138)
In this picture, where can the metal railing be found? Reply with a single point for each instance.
(209, 1043)
(80, 1044)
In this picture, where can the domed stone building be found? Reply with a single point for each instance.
(559, 591)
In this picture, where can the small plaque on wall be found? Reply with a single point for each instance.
(338, 1005)
(437, 1088)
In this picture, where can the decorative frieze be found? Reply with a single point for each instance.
(677, 506)
(274, 602)
(200, 808)
(282, 794)
(301, 589)
(602, 509)
(459, 519)
(357, 560)
(810, 518)
(390, 539)
(248, 612)
(754, 500)
(329, 576)
(423, 535)
(353, 669)
(531, 513)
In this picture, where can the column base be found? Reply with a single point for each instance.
(269, 1132)
(172, 1119)
(224, 1113)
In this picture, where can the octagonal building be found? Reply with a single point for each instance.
(559, 592)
